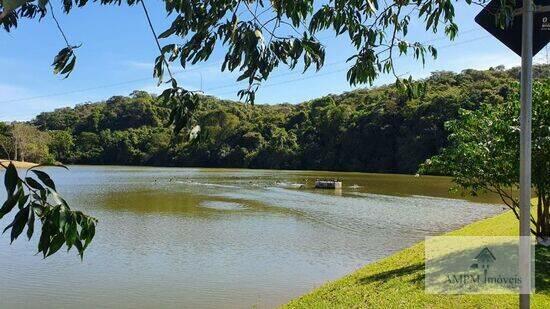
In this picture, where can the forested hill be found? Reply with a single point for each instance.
(375, 130)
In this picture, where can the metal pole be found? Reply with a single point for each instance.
(525, 154)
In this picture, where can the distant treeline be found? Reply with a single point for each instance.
(377, 130)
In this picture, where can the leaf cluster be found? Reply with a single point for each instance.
(34, 198)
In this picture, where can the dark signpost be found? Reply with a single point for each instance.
(510, 35)
(525, 32)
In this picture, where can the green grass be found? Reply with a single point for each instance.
(398, 281)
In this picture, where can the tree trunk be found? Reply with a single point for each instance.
(7, 152)
(543, 218)
(539, 215)
(546, 218)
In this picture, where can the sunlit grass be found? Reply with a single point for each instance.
(398, 281)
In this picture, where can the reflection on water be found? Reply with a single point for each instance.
(229, 238)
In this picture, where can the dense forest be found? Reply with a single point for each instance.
(373, 130)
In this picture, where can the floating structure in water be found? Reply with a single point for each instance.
(328, 184)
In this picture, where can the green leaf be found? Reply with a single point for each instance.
(65, 60)
(90, 233)
(11, 178)
(30, 225)
(34, 184)
(45, 178)
(78, 245)
(60, 199)
(23, 200)
(10, 5)
(42, 3)
(10, 203)
(69, 67)
(62, 218)
(167, 33)
(44, 242)
(18, 223)
(57, 242)
(71, 234)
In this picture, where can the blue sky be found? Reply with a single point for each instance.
(118, 51)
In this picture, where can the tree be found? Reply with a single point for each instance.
(369, 130)
(61, 145)
(483, 153)
(6, 141)
(122, 112)
(7, 146)
(29, 143)
(22, 141)
(89, 146)
(61, 119)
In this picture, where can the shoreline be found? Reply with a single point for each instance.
(398, 280)
(253, 169)
(19, 164)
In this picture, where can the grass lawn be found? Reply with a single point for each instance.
(398, 281)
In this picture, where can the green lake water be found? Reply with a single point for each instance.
(224, 238)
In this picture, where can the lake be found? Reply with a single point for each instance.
(232, 238)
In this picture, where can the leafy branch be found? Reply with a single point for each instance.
(37, 199)
(65, 60)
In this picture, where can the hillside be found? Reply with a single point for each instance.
(376, 130)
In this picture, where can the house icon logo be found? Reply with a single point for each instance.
(483, 261)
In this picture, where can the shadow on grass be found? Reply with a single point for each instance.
(542, 269)
(415, 270)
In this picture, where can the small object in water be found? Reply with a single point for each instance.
(328, 184)
(355, 186)
(290, 185)
(416, 175)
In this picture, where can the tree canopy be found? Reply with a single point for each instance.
(377, 130)
(483, 152)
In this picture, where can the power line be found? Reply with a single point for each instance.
(232, 84)
(275, 76)
(464, 42)
(337, 71)
(323, 74)
(105, 86)
(293, 80)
